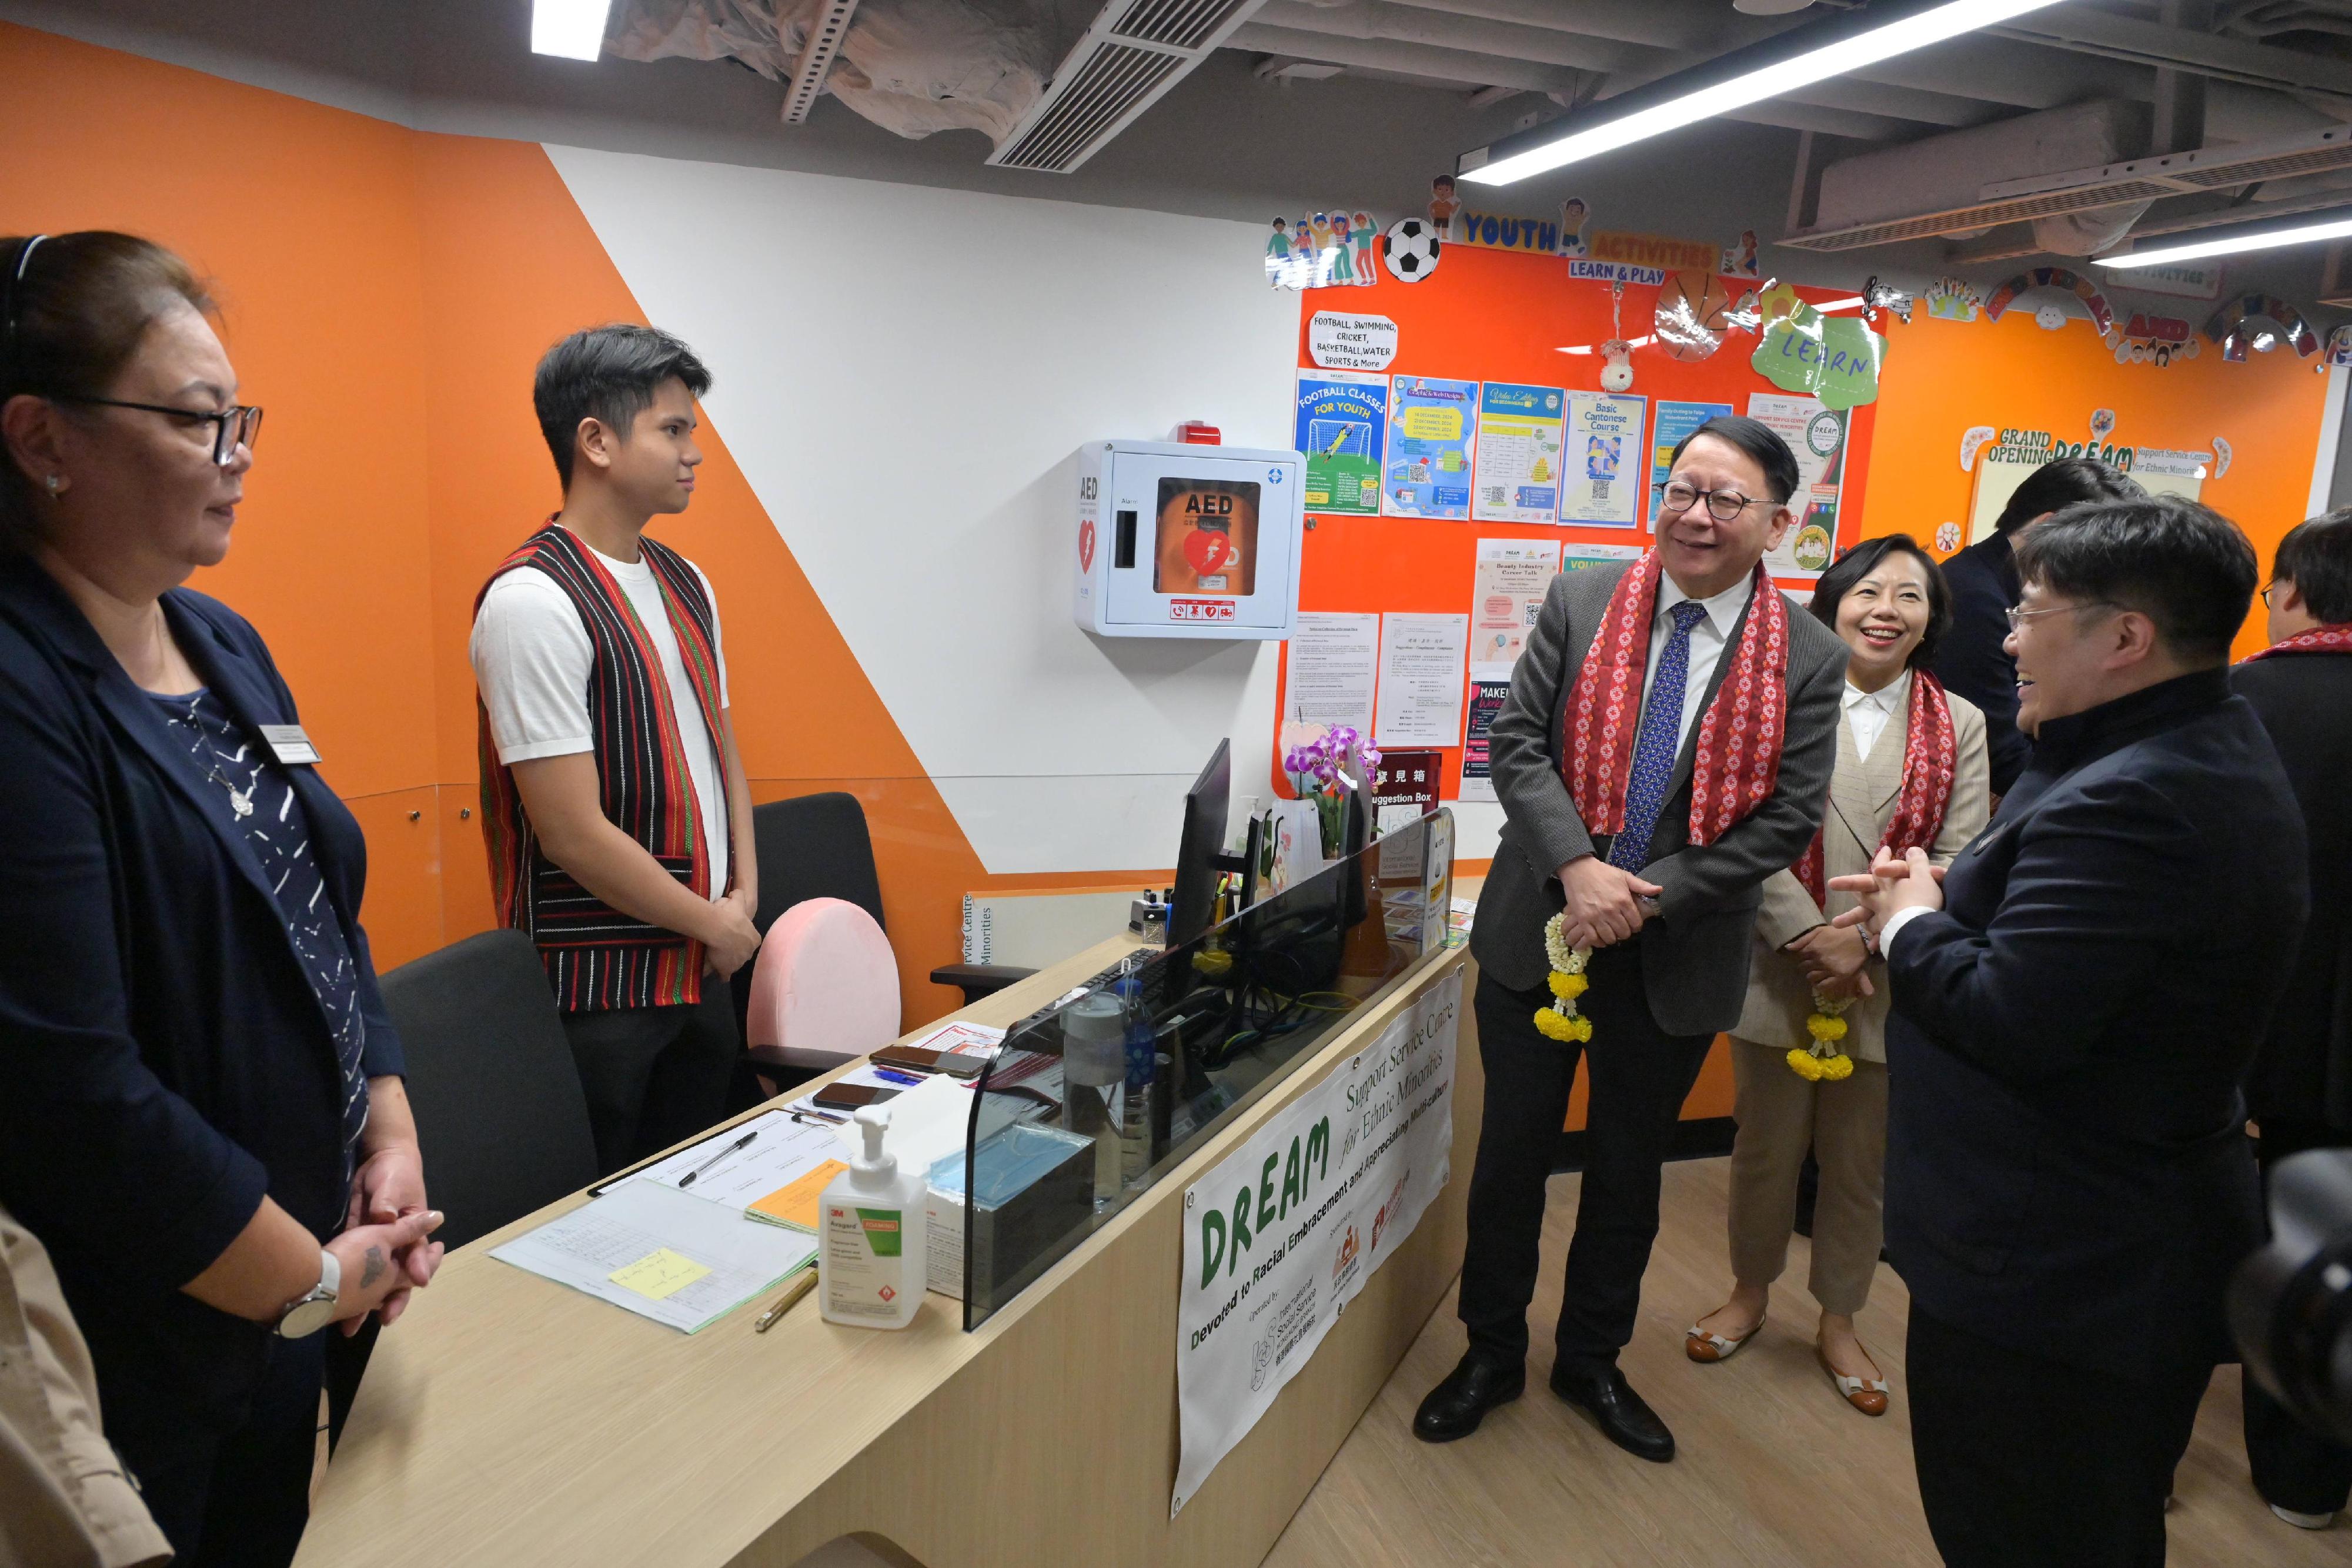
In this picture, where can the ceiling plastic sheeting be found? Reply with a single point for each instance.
(913, 66)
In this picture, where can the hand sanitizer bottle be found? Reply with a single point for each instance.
(873, 1237)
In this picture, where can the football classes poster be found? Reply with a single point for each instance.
(1342, 427)
(1429, 448)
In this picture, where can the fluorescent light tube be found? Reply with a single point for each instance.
(571, 28)
(2332, 227)
(1776, 74)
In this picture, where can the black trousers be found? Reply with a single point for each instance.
(2293, 1467)
(2027, 1463)
(655, 1076)
(238, 1500)
(1640, 1077)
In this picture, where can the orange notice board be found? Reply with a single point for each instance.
(1497, 316)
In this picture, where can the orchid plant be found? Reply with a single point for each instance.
(1326, 770)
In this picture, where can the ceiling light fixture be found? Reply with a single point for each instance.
(1817, 51)
(2334, 225)
(573, 29)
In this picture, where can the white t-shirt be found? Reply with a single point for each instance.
(531, 658)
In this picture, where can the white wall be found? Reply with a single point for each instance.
(903, 375)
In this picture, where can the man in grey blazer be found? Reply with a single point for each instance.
(1667, 910)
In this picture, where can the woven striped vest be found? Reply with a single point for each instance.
(597, 956)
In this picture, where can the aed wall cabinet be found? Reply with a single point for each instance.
(1180, 541)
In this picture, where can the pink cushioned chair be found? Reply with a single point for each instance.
(824, 988)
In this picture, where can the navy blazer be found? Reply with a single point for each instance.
(1971, 660)
(2067, 1169)
(163, 1062)
(2304, 1071)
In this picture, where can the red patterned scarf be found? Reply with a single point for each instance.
(1930, 751)
(2335, 639)
(1740, 736)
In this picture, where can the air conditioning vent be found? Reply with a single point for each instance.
(1135, 50)
(2109, 185)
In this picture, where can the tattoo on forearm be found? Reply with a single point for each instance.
(372, 1269)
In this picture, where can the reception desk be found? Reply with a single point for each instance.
(508, 1421)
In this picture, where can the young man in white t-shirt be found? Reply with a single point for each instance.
(615, 803)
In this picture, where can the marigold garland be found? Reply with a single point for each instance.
(1822, 1061)
(1561, 1021)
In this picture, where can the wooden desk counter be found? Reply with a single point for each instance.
(509, 1421)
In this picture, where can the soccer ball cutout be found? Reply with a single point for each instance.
(1408, 250)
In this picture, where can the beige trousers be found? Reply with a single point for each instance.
(1844, 1123)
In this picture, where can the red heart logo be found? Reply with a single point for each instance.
(1086, 544)
(1207, 549)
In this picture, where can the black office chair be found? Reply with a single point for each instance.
(499, 1114)
(817, 846)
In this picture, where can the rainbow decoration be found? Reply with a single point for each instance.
(2102, 316)
(2227, 327)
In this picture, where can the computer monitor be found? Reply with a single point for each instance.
(1200, 853)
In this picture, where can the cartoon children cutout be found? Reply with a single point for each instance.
(1572, 215)
(1342, 270)
(1365, 234)
(1279, 247)
(1443, 205)
(1302, 242)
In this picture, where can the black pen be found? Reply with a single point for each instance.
(743, 1142)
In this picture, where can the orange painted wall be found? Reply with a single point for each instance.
(1942, 377)
(387, 294)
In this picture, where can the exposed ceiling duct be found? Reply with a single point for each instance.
(1135, 51)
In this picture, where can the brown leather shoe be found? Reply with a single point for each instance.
(1868, 1395)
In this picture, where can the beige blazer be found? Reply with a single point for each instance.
(64, 1499)
(1862, 801)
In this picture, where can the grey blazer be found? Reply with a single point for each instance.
(1695, 954)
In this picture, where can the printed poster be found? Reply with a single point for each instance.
(1506, 589)
(1604, 456)
(1289, 1226)
(1329, 674)
(1420, 697)
(1429, 448)
(1518, 453)
(1817, 435)
(1675, 420)
(1490, 687)
(1584, 557)
(1343, 419)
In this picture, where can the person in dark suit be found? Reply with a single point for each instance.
(1973, 660)
(2068, 1184)
(2299, 1087)
(1666, 746)
(201, 1108)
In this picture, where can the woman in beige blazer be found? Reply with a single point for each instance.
(1912, 768)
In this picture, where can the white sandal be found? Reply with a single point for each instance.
(1868, 1395)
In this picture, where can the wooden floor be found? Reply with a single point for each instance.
(1773, 1469)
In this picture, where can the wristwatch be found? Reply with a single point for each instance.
(307, 1314)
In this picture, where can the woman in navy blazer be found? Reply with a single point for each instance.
(201, 1109)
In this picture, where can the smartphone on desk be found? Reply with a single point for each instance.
(915, 1058)
(850, 1096)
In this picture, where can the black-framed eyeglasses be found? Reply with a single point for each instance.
(237, 426)
(1723, 506)
(2274, 588)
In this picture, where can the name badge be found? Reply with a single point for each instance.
(288, 743)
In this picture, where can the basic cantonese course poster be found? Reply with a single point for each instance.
(1429, 448)
(1343, 418)
(1604, 457)
(1518, 454)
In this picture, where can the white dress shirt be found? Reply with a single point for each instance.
(1708, 640)
(1867, 713)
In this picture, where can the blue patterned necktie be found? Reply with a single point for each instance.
(1657, 741)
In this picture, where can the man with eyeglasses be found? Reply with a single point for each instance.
(2068, 1184)
(1667, 744)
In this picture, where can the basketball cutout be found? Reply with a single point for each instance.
(1693, 312)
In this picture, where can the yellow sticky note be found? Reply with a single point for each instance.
(795, 1204)
(659, 1274)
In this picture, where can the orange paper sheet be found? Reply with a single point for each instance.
(796, 1205)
